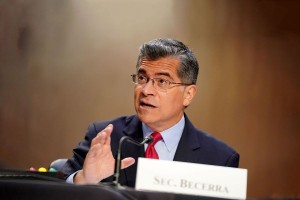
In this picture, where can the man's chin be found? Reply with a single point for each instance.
(146, 118)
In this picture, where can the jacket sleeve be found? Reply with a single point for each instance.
(233, 160)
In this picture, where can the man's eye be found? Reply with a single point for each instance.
(162, 81)
(142, 78)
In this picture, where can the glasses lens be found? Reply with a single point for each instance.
(138, 79)
(161, 84)
(158, 83)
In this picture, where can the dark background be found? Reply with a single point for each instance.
(66, 63)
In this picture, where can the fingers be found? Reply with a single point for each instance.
(126, 162)
(94, 150)
(99, 161)
(103, 137)
(99, 141)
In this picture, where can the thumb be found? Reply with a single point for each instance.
(126, 162)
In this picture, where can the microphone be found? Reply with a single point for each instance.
(147, 140)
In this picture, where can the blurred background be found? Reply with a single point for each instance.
(67, 63)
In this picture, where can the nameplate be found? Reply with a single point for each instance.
(190, 178)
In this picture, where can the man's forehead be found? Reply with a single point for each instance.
(167, 63)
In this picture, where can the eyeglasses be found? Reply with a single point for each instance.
(160, 84)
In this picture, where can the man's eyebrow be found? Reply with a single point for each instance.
(163, 74)
(141, 70)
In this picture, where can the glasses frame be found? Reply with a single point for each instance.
(155, 80)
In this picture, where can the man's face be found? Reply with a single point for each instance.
(160, 109)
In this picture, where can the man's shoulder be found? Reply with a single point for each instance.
(120, 121)
(217, 151)
(206, 140)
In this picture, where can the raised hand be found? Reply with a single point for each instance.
(99, 162)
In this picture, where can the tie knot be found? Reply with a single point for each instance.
(156, 137)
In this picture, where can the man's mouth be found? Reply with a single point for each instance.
(143, 104)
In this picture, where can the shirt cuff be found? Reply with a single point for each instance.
(70, 179)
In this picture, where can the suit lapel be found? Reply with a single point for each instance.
(189, 144)
(187, 150)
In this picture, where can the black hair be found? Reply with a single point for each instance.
(161, 48)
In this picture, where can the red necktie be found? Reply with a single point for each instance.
(150, 151)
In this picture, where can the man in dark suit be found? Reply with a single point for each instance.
(165, 84)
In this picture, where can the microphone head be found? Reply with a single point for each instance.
(148, 139)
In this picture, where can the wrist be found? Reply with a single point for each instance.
(79, 178)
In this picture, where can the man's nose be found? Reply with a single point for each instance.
(149, 87)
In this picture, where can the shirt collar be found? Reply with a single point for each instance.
(171, 136)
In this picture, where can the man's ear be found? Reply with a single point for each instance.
(189, 93)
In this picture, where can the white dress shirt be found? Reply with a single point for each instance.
(166, 147)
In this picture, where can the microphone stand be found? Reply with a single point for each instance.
(147, 140)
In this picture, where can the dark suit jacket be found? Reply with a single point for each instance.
(195, 146)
